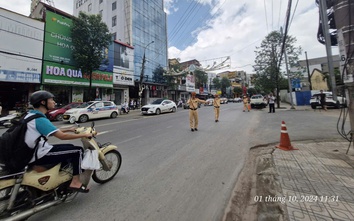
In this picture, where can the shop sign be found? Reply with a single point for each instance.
(54, 73)
(123, 78)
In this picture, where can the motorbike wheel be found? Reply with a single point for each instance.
(115, 161)
(4, 198)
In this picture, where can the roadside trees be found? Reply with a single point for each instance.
(90, 38)
(268, 62)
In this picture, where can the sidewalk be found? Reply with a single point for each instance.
(317, 181)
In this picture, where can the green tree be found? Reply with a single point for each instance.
(201, 78)
(158, 75)
(217, 83)
(90, 37)
(238, 91)
(225, 83)
(252, 91)
(268, 62)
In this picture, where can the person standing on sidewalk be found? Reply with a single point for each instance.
(193, 111)
(323, 100)
(245, 103)
(216, 104)
(271, 102)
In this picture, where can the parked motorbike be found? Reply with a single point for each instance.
(28, 192)
(6, 120)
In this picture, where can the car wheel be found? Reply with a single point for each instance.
(313, 106)
(59, 117)
(114, 114)
(173, 109)
(83, 118)
(158, 111)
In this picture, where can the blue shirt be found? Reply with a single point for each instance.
(36, 128)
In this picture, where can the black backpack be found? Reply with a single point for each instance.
(15, 154)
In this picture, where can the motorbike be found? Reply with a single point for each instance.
(124, 110)
(35, 189)
(6, 120)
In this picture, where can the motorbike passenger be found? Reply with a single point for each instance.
(42, 102)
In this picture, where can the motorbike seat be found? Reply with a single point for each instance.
(41, 168)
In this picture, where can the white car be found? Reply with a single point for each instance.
(315, 101)
(209, 102)
(91, 110)
(258, 101)
(159, 106)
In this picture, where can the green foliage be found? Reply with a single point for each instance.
(201, 78)
(268, 74)
(158, 75)
(217, 83)
(252, 91)
(90, 38)
(238, 91)
(225, 83)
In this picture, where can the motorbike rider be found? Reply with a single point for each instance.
(125, 107)
(43, 101)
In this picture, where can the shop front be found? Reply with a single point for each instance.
(69, 84)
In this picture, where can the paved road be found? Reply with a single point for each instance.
(171, 173)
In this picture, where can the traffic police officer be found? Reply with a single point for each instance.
(216, 103)
(193, 111)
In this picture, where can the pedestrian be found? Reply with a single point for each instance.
(216, 104)
(193, 111)
(271, 102)
(245, 104)
(323, 100)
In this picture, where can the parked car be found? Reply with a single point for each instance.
(209, 102)
(159, 106)
(315, 101)
(237, 100)
(91, 110)
(57, 113)
(223, 100)
(258, 101)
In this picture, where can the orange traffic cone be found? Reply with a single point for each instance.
(284, 139)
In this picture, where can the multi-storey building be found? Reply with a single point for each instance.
(140, 24)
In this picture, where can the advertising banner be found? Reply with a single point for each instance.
(58, 42)
(190, 82)
(54, 73)
(21, 46)
(123, 56)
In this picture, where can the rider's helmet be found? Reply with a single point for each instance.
(38, 96)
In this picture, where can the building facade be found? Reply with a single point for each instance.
(140, 24)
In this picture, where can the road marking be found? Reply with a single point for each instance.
(130, 139)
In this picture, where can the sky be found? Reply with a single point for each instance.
(210, 31)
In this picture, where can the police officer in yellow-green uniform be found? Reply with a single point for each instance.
(216, 104)
(193, 111)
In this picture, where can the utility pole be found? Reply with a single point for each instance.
(343, 15)
(288, 73)
(324, 18)
(142, 75)
(308, 71)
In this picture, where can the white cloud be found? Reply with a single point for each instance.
(239, 28)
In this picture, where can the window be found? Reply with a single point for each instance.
(114, 35)
(114, 21)
(101, 13)
(114, 6)
(89, 8)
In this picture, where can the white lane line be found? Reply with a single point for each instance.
(130, 139)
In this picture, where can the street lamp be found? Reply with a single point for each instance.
(142, 74)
